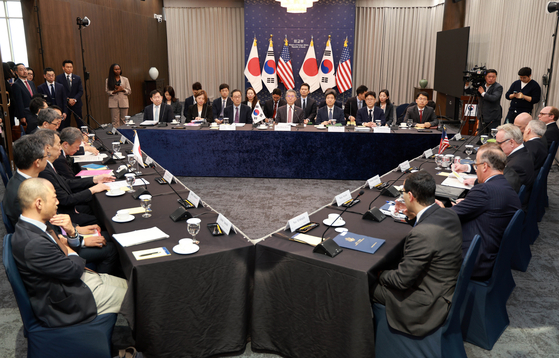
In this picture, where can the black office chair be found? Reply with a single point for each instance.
(6, 162)
(400, 110)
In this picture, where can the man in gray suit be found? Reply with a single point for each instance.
(418, 293)
(290, 113)
(490, 102)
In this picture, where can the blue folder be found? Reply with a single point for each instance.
(350, 240)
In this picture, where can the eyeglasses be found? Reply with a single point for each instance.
(499, 143)
(544, 114)
(476, 164)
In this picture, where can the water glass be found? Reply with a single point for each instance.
(469, 150)
(130, 179)
(178, 119)
(456, 160)
(439, 161)
(116, 147)
(145, 201)
(193, 228)
(410, 123)
(333, 121)
(84, 130)
(225, 120)
(131, 162)
(483, 139)
(90, 139)
(445, 161)
(377, 122)
(449, 159)
(494, 132)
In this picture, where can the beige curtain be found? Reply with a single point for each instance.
(510, 34)
(395, 48)
(206, 45)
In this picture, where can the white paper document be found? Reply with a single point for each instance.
(89, 158)
(137, 237)
(122, 183)
(452, 181)
(149, 123)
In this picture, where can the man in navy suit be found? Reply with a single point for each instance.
(330, 111)
(354, 104)
(290, 113)
(370, 113)
(306, 103)
(511, 142)
(423, 115)
(55, 92)
(534, 142)
(219, 104)
(196, 86)
(74, 92)
(549, 116)
(158, 111)
(238, 112)
(487, 209)
(23, 91)
(271, 106)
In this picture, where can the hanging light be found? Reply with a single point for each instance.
(296, 6)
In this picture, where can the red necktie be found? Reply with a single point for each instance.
(420, 116)
(275, 108)
(28, 88)
(290, 116)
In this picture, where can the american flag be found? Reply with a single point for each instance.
(285, 71)
(444, 141)
(343, 76)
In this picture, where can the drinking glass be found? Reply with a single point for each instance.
(131, 162)
(145, 201)
(377, 122)
(84, 130)
(130, 179)
(410, 123)
(494, 132)
(484, 139)
(469, 150)
(456, 159)
(126, 119)
(178, 118)
(225, 120)
(439, 161)
(445, 162)
(193, 227)
(333, 120)
(116, 147)
(90, 139)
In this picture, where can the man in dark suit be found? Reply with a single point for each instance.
(290, 113)
(23, 91)
(549, 116)
(158, 111)
(35, 106)
(418, 294)
(487, 209)
(189, 101)
(61, 291)
(306, 103)
(238, 112)
(534, 143)
(490, 101)
(511, 142)
(271, 106)
(70, 143)
(219, 104)
(330, 112)
(354, 104)
(74, 92)
(54, 91)
(370, 113)
(74, 194)
(423, 115)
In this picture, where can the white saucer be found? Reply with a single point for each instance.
(339, 222)
(128, 219)
(320, 127)
(186, 249)
(262, 127)
(121, 192)
(341, 229)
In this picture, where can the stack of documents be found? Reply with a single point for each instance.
(137, 237)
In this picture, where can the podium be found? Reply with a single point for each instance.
(469, 113)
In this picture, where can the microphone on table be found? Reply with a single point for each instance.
(374, 214)
(181, 213)
(330, 247)
(136, 195)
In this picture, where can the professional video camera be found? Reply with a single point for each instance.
(476, 78)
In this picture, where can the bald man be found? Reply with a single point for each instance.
(549, 116)
(60, 290)
(521, 121)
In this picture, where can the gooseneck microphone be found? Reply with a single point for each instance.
(339, 216)
(181, 213)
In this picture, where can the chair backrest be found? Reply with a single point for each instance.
(535, 194)
(7, 223)
(511, 237)
(462, 285)
(400, 109)
(25, 309)
(553, 148)
(522, 193)
(5, 178)
(6, 162)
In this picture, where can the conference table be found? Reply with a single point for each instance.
(304, 152)
(310, 305)
(181, 305)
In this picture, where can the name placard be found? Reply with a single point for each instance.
(113, 131)
(336, 129)
(343, 197)
(168, 177)
(381, 129)
(428, 153)
(404, 166)
(224, 224)
(148, 160)
(227, 127)
(298, 221)
(123, 139)
(457, 136)
(193, 198)
(374, 181)
(282, 127)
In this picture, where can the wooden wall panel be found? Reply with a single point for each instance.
(123, 32)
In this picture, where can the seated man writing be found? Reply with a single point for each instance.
(60, 290)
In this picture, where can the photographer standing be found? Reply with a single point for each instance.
(490, 102)
(523, 94)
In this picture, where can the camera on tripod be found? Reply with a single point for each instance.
(476, 78)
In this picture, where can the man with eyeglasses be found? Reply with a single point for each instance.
(290, 113)
(510, 139)
(48, 118)
(487, 209)
(549, 116)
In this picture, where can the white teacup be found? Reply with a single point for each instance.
(185, 242)
(122, 214)
(115, 191)
(332, 217)
(403, 125)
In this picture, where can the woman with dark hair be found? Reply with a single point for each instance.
(387, 106)
(30, 74)
(172, 101)
(118, 89)
(251, 99)
(201, 109)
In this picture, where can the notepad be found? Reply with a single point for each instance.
(306, 239)
(151, 253)
(137, 237)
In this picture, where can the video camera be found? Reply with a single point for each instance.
(476, 78)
